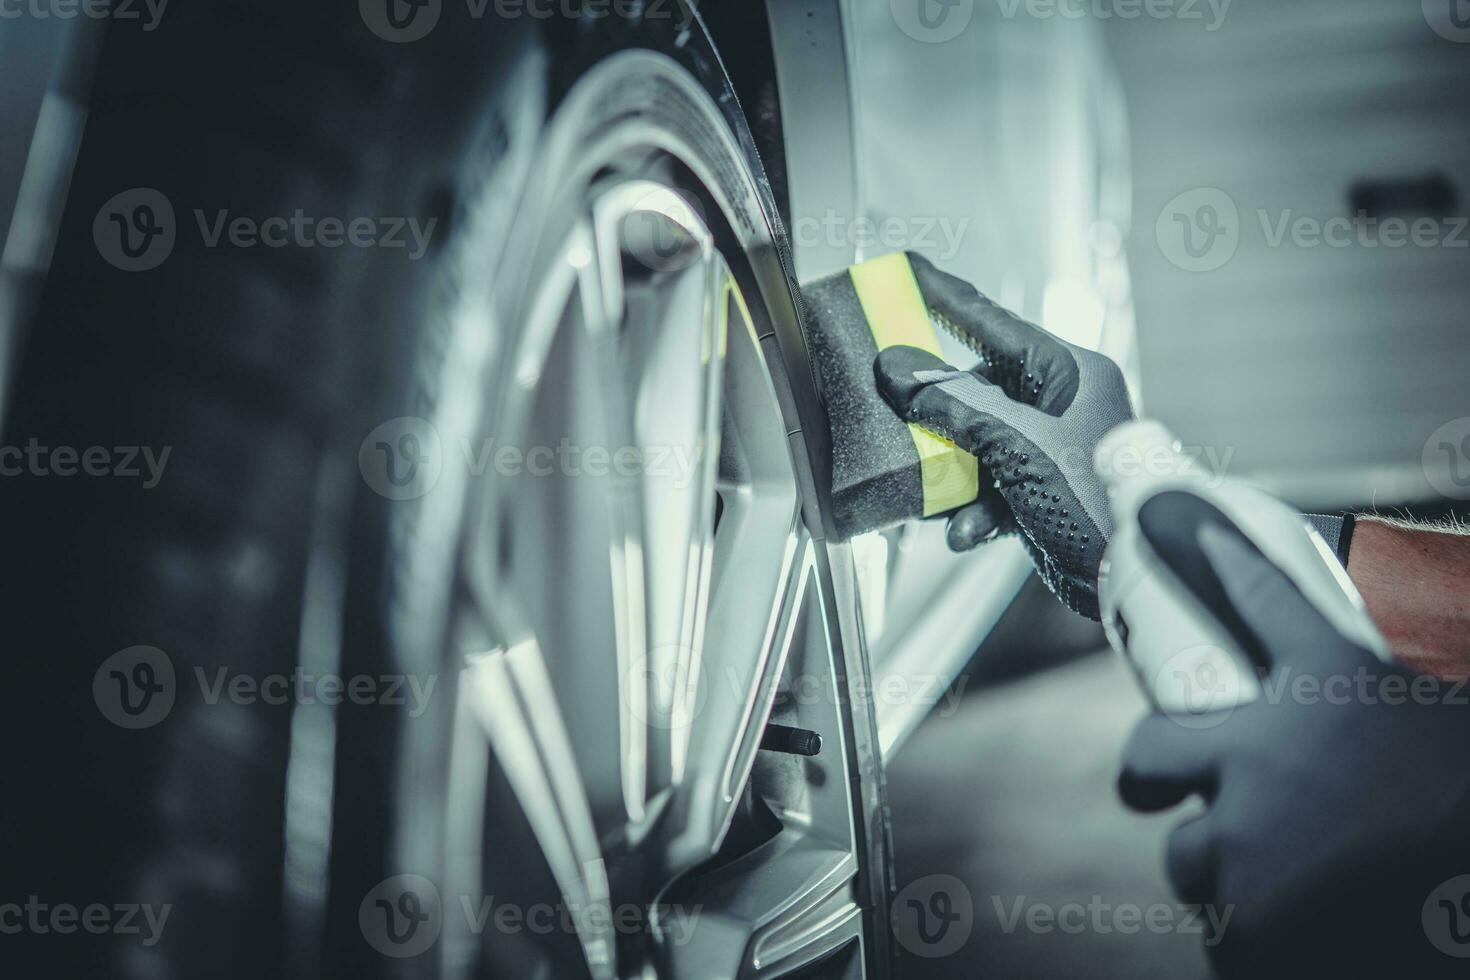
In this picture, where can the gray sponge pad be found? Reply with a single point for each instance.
(876, 476)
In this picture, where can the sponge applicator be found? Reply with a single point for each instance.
(884, 471)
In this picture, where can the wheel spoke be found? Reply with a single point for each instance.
(777, 910)
(792, 899)
(760, 550)
(663, 287)
(663, 616)
(510, 694)
(679, 355)
(563, 528)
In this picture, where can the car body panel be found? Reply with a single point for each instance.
(997, 148)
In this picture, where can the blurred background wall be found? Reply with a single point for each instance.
(1289, 338)
(1325, 362)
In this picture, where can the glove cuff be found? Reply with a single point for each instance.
(1337, 531)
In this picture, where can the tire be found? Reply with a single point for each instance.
(276, 542)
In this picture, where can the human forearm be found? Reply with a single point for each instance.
(1416, 583)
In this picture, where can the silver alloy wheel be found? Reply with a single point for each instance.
(657, 602)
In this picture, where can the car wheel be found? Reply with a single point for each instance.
(546, 487)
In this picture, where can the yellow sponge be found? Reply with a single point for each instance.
(883, 470)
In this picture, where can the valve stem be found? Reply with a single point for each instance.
(791, 741)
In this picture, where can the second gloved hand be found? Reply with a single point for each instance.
(1033, 411)
(1336, 803)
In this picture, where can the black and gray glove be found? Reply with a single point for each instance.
(1033, 411)
(1337, 802)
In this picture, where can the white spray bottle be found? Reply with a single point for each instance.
(1183, 656)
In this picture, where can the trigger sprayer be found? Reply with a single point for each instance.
(1186, 660)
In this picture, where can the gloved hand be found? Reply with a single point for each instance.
(1033, 411)
(1338, 803)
